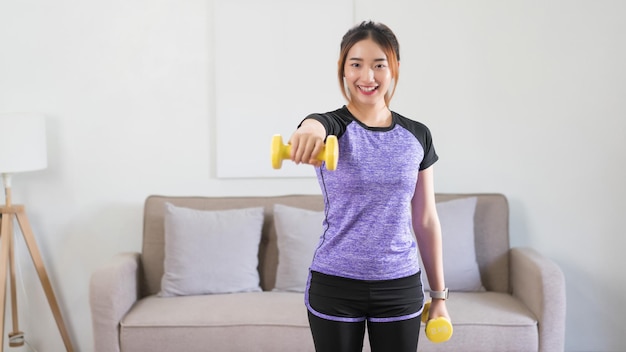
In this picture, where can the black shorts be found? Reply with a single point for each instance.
(349, 300)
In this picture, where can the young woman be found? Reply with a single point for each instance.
(365, 270)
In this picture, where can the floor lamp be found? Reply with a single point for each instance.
(22, 148)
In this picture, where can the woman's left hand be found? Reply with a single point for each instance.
(438, 309)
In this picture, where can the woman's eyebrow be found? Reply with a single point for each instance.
(359, 59)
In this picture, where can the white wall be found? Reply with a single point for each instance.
(525, 98)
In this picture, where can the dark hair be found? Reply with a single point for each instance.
(381, 35)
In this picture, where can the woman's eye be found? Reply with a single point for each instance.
(355, 64)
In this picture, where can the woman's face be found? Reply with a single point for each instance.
(367, 73)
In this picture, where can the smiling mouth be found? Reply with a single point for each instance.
(368, 89)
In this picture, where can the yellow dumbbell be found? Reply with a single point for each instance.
(437, 330)
(329, 154)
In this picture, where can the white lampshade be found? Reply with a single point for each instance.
(22, 142)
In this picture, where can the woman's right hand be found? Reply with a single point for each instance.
(307, 142)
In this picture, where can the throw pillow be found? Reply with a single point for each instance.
(298, 232)
(459, 254)
(211, 251)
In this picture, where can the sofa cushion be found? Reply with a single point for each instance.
(297, 235)
(487, 322)
(459, 254)
(252, 321)
(211, 251)
(483, 322)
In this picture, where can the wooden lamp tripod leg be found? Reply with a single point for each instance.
(27, 232)
(5, 234)
(16, 337)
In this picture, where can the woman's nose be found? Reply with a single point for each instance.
(368, 75)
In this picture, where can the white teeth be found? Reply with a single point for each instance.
(367, 89)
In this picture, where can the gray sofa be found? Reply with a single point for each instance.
(522, 309)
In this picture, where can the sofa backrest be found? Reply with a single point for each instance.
(491, 230)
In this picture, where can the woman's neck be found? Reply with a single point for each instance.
(371, 115)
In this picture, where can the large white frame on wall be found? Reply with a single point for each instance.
(272, 69)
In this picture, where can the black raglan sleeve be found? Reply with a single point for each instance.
(334, 122)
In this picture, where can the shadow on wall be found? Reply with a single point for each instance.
(598, 334)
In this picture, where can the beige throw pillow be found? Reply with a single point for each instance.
(459, 253)
(298, 232)
(211, 251)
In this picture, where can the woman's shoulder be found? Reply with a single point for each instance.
(414, 126)
(406, 121)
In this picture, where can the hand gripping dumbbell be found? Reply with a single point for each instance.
(329, 154)
(437, 330)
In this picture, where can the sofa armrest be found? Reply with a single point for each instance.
(113, 289)
(539, 283)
